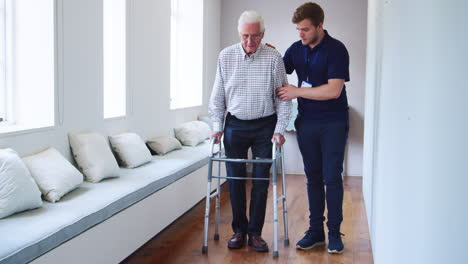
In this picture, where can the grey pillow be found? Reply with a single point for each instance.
(192, 133)
(164, 144)
(130, 149)
(93, 156)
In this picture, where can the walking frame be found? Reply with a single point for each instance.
(277, 159)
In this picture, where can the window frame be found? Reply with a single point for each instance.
(7, 53)
(9, 127)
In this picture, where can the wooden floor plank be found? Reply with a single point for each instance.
(181, 242)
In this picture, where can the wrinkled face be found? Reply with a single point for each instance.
(308, 33)
(251, 37)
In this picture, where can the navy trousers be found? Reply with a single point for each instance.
(239, 136)
(322, 145)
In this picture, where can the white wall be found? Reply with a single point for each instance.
(80, 91)
(344, 20)
(417, 158)
(373, 69)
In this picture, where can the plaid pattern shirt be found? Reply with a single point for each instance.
(245, 86)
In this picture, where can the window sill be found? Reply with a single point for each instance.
(9, 130)
(115, 118)
(185, 107)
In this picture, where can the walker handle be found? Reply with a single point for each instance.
(275, 149)
(212, 144)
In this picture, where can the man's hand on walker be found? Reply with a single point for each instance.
(218, 136)
(278, 138)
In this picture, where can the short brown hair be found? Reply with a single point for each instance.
(310, 11)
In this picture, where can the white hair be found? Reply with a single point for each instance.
(250, 17)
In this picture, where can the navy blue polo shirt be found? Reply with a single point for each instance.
(328, 60)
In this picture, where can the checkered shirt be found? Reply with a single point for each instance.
(245, 86)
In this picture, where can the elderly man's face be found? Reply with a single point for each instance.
(251, 37)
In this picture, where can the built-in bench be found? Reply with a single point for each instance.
(105, 222)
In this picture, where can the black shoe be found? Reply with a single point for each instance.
(335, 245)
(237, 241)
(311, 239)
(258, 244)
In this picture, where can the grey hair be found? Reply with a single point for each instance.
(251, 17)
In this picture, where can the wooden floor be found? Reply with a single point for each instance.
(181, 242)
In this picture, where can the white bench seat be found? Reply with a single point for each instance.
(28, 235)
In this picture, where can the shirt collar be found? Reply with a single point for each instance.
(253, 56)
(324, 41)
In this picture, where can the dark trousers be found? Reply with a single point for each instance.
(239, 136)
(322, 145)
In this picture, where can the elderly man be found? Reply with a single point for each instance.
(244, 91)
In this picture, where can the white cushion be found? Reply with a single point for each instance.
(192, 133)
(54, 174)
(93, 156)
(164, 144)
(130, 149)
(206, 119)
(18, 191)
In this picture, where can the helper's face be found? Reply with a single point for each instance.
(251, 37)
(308, 33)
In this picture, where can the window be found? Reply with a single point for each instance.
(27, 64)
(5, 61)
(186, 53)
(115, 70)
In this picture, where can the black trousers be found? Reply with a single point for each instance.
(322, 145)
(239, 136)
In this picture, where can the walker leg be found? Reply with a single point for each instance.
(275, 211)
(207, 208)
(285, 204)
(207, 219)
(218, 201)
(216, 234)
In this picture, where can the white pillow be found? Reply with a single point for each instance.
(164, 144)
(18, 191)
(192, 133)
(54, 174)
(93, 156)
(130, 149)
(206, 119)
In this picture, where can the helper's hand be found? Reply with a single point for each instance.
(218, 136)
(278, 138)
(287, 92)
(271, 46)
